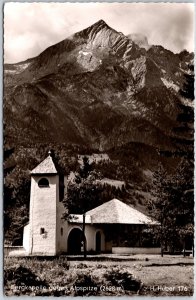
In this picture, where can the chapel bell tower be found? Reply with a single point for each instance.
(44, 199)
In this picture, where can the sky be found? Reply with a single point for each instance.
(29, 28)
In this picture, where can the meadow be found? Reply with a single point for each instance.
(144, 275)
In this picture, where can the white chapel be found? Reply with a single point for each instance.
(47, 233)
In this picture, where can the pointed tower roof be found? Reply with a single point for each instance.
(45, 167)
(117, 212)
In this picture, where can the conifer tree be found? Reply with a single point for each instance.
(84, 193)
(173, 207)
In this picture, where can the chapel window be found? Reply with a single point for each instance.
(43, 182)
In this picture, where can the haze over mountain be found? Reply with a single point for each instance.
(168, 24)
(139, 39)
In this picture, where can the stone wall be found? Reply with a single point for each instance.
(135, 250)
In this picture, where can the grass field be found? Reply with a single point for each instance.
(147, 275)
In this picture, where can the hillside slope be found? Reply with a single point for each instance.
(100, 91)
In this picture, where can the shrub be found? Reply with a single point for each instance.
(22, 277)
(62, 262)
(122, 277)
(81, 266)
(85, 285)
(99, 266)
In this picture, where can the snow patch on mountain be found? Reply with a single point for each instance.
(187, 102)
(85, 53)
(170, 84)
(17, 68)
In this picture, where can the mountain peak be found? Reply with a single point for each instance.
(99, 34)
(96, 27)
(101, 22)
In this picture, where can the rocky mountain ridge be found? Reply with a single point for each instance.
(101, 92)
(96, 88)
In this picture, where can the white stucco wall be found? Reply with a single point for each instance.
(46, 212)
(90, 234)
(26, 238)
(43, 214)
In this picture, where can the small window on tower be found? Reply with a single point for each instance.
(61, 231)
(43, 182)
(42, 230)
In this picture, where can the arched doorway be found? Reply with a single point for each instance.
(98, 241)
(75, 241)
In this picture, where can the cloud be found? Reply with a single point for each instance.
(29, 28)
